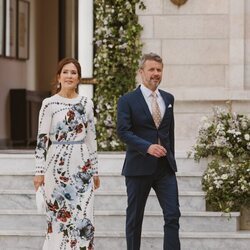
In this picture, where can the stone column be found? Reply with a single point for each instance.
(85, 37)
(85, 43)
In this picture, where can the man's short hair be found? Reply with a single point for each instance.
(150, 56)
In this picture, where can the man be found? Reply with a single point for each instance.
(145, 122)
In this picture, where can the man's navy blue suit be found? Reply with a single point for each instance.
(136, 128)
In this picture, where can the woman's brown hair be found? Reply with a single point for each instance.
(56, 86)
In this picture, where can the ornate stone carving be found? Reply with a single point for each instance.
(178, 2)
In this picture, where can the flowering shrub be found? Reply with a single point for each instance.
(227, 185)
(224, 134)
(225, 139)
(117, 52)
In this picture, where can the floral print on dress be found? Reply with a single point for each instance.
(72, 124)
(66, 154)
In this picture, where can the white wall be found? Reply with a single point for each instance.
(37, 72)
(206, 61)
(12, 75)
(247, 44)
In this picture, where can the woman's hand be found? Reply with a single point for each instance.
(96, 182)
(38, 181)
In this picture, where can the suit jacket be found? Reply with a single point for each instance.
(136, 128)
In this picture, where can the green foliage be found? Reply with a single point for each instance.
(117, 53)
(227, 184)
(225, 139)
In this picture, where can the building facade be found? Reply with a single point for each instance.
(205, 46)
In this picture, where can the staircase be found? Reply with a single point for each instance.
(22, 228)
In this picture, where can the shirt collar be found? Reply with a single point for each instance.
(147, 92)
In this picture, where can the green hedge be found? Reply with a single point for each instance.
(117, 52)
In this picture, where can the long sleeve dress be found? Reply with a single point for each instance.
(66, 154)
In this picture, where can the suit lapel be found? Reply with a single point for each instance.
(166, 101)
(143, 103)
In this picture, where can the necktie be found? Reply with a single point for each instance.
(156, 113)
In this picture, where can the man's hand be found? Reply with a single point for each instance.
(157, 150)
(38, 181)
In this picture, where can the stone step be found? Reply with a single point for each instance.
(115, 221)
(117, 200)
(104, 200)
(110, 162)
(113, 162)
(153, 221)
(17, 161)
(33, 240)
(109, 181)
(16, 180)
(22, 228)
(186, 181)
(189, 241)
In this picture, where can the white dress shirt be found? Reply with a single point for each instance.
(147, 96)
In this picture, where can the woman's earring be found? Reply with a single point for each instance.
(58, 85)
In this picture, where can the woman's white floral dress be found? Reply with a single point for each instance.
(66, 154)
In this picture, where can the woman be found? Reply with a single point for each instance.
(66, 162)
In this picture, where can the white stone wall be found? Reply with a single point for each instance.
(247, 44)
(205, 46)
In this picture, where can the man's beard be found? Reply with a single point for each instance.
(156, 82)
